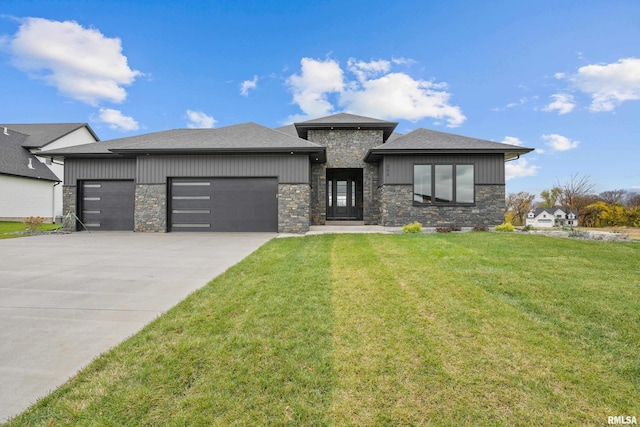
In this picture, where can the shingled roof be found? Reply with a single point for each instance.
(42, 134)
(17, 161)
(244, 138)
(345, 121)
(425, 141)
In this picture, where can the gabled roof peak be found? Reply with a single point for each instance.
(42, 134)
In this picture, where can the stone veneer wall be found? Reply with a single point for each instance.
(69, 199)
(318, 194)
(346, 148)
(150, 208)
(397, 208)
(293, 208)
(371, 206)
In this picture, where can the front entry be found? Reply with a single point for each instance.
(344, 194)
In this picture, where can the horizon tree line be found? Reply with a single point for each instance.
(608, 208)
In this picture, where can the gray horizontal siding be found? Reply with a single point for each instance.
(489, 169)
(290, 169)
(78, 169)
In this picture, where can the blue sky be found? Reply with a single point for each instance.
(560, 77)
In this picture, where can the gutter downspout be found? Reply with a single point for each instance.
(512, 159)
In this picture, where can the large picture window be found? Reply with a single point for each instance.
(443, 184)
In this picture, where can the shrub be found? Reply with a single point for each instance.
(415, 227)
(528, 228)
(448, 229)
(480, 228)
(31, 223)
(505, 227)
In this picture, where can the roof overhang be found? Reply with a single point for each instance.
(386, 127)
(375, 155)
(316, 153)
(62, 156)
(39, 178)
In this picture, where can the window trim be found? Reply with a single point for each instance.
(433, 201)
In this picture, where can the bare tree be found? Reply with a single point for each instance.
(633, 200)
(576, 193)
(550, 197)
(613, 197)
(519, 203)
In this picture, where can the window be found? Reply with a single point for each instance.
(422, 183)
(443, 184)
(464, 184)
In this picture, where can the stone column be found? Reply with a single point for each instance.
(293, 208)
(69, 206)
(150, 208)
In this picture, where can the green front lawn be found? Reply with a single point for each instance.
(9, 229)
(480, 329)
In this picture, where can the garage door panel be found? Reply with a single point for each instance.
(108, 205)
(191, 188)
(190, 203)
(234, 204)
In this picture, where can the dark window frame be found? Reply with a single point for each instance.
(433, 201)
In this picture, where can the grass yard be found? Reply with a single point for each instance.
(480, 329)
(10, 229)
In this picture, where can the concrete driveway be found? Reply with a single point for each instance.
(64, 299)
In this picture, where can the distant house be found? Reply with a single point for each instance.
(247, 177)
(30, 183)
(552, 217)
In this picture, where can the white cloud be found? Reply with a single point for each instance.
(403, 61)
(374, 91)
(512, 140)
(366, 70)
(116, 120)
(609, 85)
(563, 103)
(248, 85)
(399, 96)
(559, 142)
(80, 62)
(311, 87)
(521, 101)
(519, 168)
(198, 119)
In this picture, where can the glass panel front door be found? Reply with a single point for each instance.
(344, 194)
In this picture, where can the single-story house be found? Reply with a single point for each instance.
(552, 217)
(249, 177)
(29, 182)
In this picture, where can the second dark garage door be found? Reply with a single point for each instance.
(224, 204)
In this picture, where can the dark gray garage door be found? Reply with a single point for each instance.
(107, 205)
(224, 204)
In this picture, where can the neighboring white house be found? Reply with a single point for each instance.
(551, 217)
(30, 184)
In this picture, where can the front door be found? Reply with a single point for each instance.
(344, 194)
